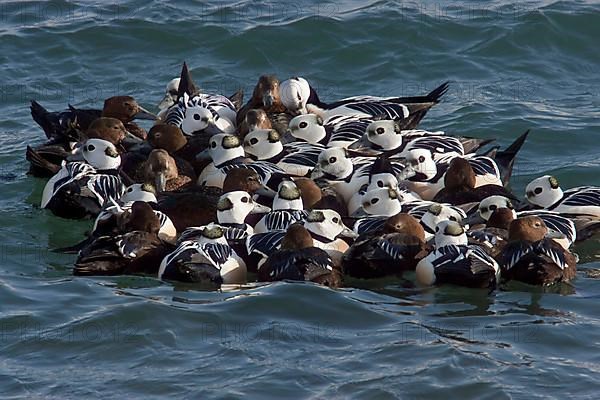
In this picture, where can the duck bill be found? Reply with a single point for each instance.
(268, 100)
(213, 129)
(360, 212)
(349, 233)
(145, 114)
(76, 155)
(552, 234)
(160, 182)
(204, 155)
(265, 191)
(288, 137)
(361, 144)
(474, 219)
(525, 206)
(259, 209)
(317, 172)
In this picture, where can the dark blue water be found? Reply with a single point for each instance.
(513, 66)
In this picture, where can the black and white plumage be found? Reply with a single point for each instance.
(309, 264)
(210, 262)
(280, 220)
(539, 263)
(464, 265)
(127, 253)
(336, 131)
(85, 195)
(68, 173)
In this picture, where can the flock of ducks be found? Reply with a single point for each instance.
(289, 187)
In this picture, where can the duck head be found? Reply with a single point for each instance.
(419, 161)
(263, 144)
(501, 218)
(257, 118)
(101, 154)
(288, 197)
(490, 204)
(160, 168)
(234, 207)
(460, 175)
(297, 237)
(244, 179)
(141, 217)
(327, 223)
(308, 127)
(126, 109)
(170, 97)
(405, 224)
(449, 233)
(543, 191)
(380, 201)
(528, 229)
(106, 128)
(266, 92)
(333, 164)
(139, 192)
(294, 94)
(381, 135)
(167, 137)
(437, 213)
(223, 147)
(197, 118)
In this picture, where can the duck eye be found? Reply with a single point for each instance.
(537, 190)
(253, 141)
(91, 147)
(493, 207)
(380, 131)
(380, 184)
(213, 145)
(437, 228)
(452, 219)
(197, 117)
(374, 201)
(421, 159)
(332, 160)
(244, 200)
(303, 125)
(335, 220)
(129, 190)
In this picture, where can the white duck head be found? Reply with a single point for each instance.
(419, 161)
(381, 135)
(490, 204)
(308, 127)
(101, 154)
(263, 144)
(294, 94)
(327, 223)
(449, 233)
(139, 192)
(288, 197)
(223, 147)
(543, 191)
(234, 207)
(170, 94)
(437, 213)
(383, 202)
(333, 164)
